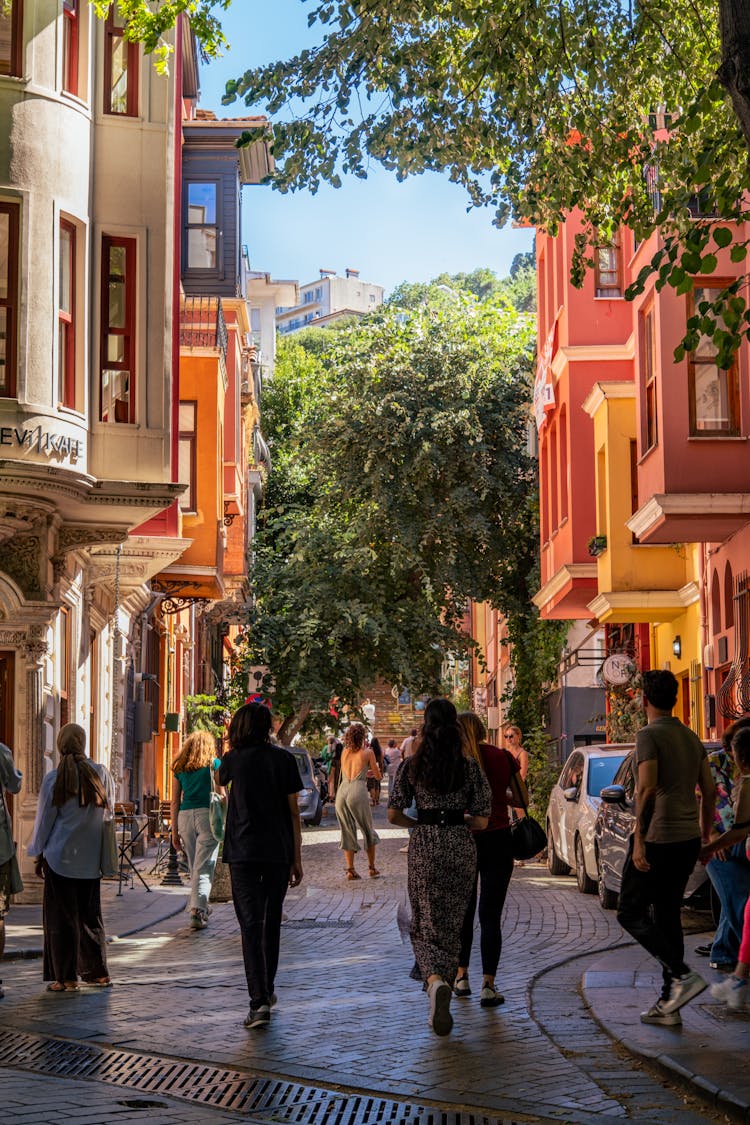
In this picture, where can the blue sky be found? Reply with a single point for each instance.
(391, 232)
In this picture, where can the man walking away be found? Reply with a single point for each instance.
(670, 762)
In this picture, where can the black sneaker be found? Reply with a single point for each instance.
(704, 950)
(258, 1017)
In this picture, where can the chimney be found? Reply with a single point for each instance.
(352, 273)
(327, 273)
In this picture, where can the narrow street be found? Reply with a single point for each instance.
(349, 1037)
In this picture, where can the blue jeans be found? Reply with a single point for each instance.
(201, 850)
(731, 881)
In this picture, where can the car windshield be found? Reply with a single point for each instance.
(601, 772)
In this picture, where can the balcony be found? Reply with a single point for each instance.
(635, 583)
(202, 324)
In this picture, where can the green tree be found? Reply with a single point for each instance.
(402, 477)
(149, 23)
(633, 112)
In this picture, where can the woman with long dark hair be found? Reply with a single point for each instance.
(452, 798)
(67, 843)
(262, 845)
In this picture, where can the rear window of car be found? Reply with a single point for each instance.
(303, 764)
(601, 772)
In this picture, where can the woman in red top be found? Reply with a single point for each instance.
(494, 862)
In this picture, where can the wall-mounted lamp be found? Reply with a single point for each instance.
(677, 646)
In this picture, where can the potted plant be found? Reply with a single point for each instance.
(597, 545)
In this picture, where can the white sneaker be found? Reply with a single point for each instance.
(732, 992)
(258, 1017)
(683, 990)
(489, 997)
(461, 986)
(198, 920)
(441, 1020)
(657, 1016)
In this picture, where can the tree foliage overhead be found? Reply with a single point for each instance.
(401, 487)
(149, 23)
(537, 107)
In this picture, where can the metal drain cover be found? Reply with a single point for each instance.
(266, 1099)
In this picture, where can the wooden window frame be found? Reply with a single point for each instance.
(650, 378)
(607, 292)
(732, 375)
(205, 271)
(190, 437)
(129, 329)
(10, 302)
(114, 30)
(15, 58)
(71, 30)
(66, 322)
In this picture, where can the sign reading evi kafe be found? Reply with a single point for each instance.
(37, 439)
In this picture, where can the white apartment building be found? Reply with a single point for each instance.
(329, 298)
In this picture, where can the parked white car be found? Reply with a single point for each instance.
(573, 806)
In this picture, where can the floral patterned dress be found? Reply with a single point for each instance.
(441, 865)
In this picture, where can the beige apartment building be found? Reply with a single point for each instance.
(329, 298)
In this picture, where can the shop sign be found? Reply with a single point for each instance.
(46, 442)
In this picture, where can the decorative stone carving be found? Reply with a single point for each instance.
(21, 559)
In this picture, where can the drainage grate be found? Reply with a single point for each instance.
(267, 1099)
(319, 924)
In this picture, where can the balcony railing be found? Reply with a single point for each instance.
(202, 324)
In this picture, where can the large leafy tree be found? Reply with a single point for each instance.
(401, 487)
(635, 111)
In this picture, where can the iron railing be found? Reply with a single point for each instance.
(202, 324)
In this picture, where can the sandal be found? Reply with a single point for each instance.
(100, 982)
(352, 874)
(58, 986)
(374, 873)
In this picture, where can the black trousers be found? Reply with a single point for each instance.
(650, 902)
(74, 941)
(494, 869)
(258, 890)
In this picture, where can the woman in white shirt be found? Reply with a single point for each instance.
(67, 844)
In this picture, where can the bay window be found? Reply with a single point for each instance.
(118, 337)
(187, 458)
(120, 68)
(202, 226)
(66, 313)
(70, 31)
(650, 431)
(713, 393)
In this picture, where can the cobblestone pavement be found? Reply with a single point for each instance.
(348, 1019)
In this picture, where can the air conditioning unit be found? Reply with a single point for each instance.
(708, 657)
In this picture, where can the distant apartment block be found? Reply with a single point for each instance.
(330, 298)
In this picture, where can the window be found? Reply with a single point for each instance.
(11, 28)
(65, 651)
(94, 696)
(66, 331)
(202, 228)
(607, 269)
(70, 46)
(118, 330)
(9, 215)
(308, 297)
(728, 597)
(649, 367)
(120, 68)
(545, 489)
(187, 465)
(563, 464)
(713, 394)
(715, 604)
(554, 471)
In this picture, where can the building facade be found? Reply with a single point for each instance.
(328, 299)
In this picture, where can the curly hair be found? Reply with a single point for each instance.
(198, 751)
(355, 737)
(438, 762)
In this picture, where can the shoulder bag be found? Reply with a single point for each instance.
(217, 812)
(527, 836)
(16, 882)
(109, 857)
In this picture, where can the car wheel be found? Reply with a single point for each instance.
(554, 863)
(607, 898)
(586, 885)
(318, 815)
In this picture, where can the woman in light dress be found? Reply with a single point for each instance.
(353, 802)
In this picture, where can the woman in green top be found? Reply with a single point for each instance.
(191, 828)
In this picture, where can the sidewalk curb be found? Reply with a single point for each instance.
(31, 954)
(723, 1100)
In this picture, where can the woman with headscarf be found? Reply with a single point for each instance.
(452, 798)
(67, 843)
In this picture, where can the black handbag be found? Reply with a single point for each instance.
(527, 838)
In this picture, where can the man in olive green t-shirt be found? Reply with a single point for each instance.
(671, 765)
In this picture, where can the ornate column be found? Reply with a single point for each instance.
(35, 754)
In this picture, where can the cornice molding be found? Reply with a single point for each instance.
(566, 574)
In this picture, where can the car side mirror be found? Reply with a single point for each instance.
(613, 794)
(570, 794)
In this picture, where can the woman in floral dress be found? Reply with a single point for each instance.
(452, 798)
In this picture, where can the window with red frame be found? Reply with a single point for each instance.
(11, 28)
(70, 46)
(608, 269)
(713, 394)
(66, 314)
(120, 68)
(117, 366)
(649, 367)
(9, 220)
